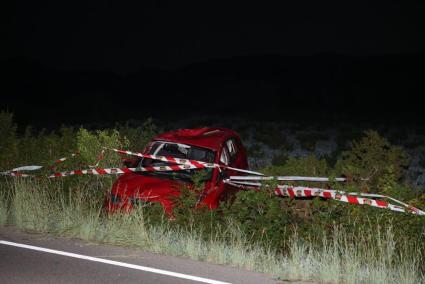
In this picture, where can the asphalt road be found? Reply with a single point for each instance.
(37, 258)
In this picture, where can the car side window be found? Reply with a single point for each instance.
(232, 148)
(224, 157)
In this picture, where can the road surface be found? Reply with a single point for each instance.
(38, 258)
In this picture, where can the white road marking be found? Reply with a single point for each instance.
(117, 263)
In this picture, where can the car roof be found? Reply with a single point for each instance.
(207, 137)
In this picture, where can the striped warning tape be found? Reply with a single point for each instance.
(99, 159)
(16, 172)
(239, 181)
(173, 160)
(98, 171)
(285, 178)
(300, 191)
(112, 171)
(197, 164)
(348, 197)
(61, 160)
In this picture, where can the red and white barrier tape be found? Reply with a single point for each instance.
(99, 159)
(197, 164)
(300, 191)
(16, 171)
(112, 171)
(238, 181)
(348, 197)
(15, 174)
(61, 160)
(285, 178)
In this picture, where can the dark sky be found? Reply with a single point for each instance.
(344, 57)
(121, 37)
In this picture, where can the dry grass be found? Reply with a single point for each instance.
(42, 206)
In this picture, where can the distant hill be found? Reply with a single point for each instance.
(268, 86)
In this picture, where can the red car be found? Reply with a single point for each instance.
(212, 145)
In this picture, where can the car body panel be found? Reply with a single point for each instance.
(130, 189)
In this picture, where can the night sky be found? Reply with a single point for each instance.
(109, 61)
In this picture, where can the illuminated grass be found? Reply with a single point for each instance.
(39, 206)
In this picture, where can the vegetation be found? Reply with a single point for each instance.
(335, 243)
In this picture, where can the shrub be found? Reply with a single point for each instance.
(279, 159)
(421, 162)
(260, 215)
(303, 166)
(8, 141)
(90, 146)
(373, 163)
(139, 136)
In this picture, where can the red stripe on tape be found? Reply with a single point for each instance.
(101, 171)
(327, 194)
(175, 167)
(353, 200)
(381, 203)
(126, 170)
(291, 192)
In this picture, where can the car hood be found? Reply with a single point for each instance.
(144, 186)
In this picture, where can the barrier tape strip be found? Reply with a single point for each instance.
(61, 160)
(111, 171)
(99, 159)
(300, 191)
(285, 178)
(257, 184)
(16, 171)
(198, 164)
(239, 181)
(342, 196)
(15, 174)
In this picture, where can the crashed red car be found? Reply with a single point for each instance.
(212, 145)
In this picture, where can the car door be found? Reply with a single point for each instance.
(229, 156)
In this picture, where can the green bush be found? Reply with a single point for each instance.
(8, 141)
(279, 159)
(90, 146)
(72, 206)
(260, 215)
(303, 166)
(139, 136)
(373, 163)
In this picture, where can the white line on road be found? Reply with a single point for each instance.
(117, 263)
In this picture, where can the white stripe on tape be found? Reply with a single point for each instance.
(284, 178)
(26, 168)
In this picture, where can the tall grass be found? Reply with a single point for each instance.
(4, 213)
(46, 206)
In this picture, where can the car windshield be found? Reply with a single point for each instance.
(182, 151)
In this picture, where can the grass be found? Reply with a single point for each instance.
(4, 212)
(51, 207)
